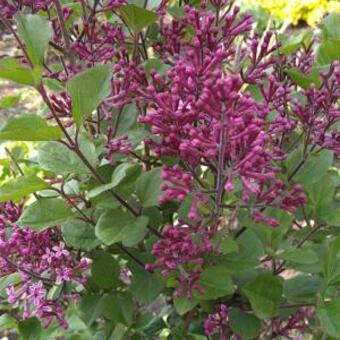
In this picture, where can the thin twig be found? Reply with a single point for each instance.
(64, 32)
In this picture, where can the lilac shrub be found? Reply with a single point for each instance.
(184, 182)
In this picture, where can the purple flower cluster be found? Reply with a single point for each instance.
(98, 43)
(205, 117)
(218, 322)
(292, 327)
(320, 111)
(180, 251)
(43, 263)
(10, 8)
(117, 144)
(180, 184)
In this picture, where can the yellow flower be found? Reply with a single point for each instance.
(310, 11)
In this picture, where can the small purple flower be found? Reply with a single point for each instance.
(60, 251)
(36, 292)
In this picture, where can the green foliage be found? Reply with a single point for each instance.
(118, 308)
(315, 167)
(30, 329)
(29, 127)
(122, 177)
(148, 187)
(244, 324)
(79, 235)
(105, 270)
(300, 255)
(9, 101)
(145, 286)
(264, 294)
(36, 32)
(8, 280)
(44, 213)
(7, 323)
(11, 69)
(89, 308)
(302, 288)
(136, 17)
(329, 49)
(59, 159)
(215, 288)
(87, 90)
(292, 43)
(303, 80)
(183, 305)
(21, 187)
(116, 226)
(329, 314)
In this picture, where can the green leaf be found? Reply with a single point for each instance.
(121, 175)
(59, 159)
(302, 288)
(151, 4)
(105, 270)
(8, 280)
(148, 187)
(225, 244)
(11, 69)
(28, 127)
(9, 101)
(89, 308)
(215, 288)
(145, 286)
(136, 232)
(292, 43)
(150, 325)
(250, 249)
(315, 167)
(331, 261)
(88, 89)
(30, 329)
(21, 187)
(264, 294)
(305, 80)
(300, 255)
(136, 17)
(176, 11)
(183, 305)
(122, 171)
(79, 235)
(7, 323)
(88, 149)
(119, 332)
(118, 308)
(36, 32)
(244, 324)
(327, 52)
(331, 215)
(155, 64)
(116, 225)
(320, 196)
(329, 315)
(45, 213)
(330, 27)
(127, 119)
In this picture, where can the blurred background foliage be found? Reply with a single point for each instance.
(291, 11)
